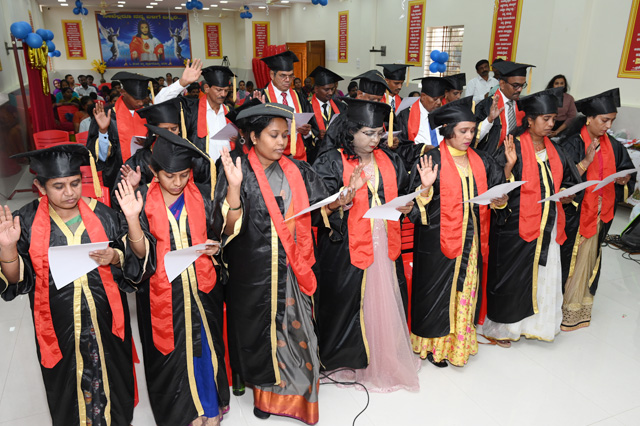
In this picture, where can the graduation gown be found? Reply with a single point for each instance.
(493, 140)
(340, 295)
(313, 144)
(94, 379)
(433, 293)
(575, 149)
(513, 261)
(408, 149)
(257, 274)
(171, 383)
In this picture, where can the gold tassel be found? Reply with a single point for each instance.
(407, 77)
(473, 107)
(153, 95)
(183, 127)
(97, 188)
(212, 163)
(390, 141)
(529, 82)
(235, 92)
(294, 136)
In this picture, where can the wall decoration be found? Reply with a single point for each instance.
(261, 38)
(630, 59)
(504, 33)
(343, 36)
(213, 40)
(74, 39)
(415, 32)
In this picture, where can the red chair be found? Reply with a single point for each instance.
(48, 138)
(81, 138)
(406, 238)
(85, 171)
(64, 116)
(88, 191)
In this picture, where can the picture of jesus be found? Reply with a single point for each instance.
(143, 46)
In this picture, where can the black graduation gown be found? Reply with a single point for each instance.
(512, 260)
(314, 143)
(171, 389)
(491, 140)
(250, 263)
(338, 300)
(433, 272)
(574, 147)
(408, 150)
(88, 297)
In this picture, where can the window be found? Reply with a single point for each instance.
(444, 39)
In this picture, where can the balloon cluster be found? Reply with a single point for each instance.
(439, 59)
(79, 9)
(320, 2)
(246, 14)
(194, 4)
(22, 31)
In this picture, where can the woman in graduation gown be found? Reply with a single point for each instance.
(268, 294)
(524, 288)
(451, 239)
(180, 319)
(359, 303)
(596, 155)
(82, 329)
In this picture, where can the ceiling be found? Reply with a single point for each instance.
(163, 5)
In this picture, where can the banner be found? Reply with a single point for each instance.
(144, 40)
(343, 36)
(213, 40)
(504, 33)
(415, 32)
(260, 38)
(630, 60)
(74, 39)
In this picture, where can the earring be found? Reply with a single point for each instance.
(242, 141)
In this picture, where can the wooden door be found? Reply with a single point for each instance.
(315, 54)
(299, 68)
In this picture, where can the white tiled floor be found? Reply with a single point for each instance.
(588, 377)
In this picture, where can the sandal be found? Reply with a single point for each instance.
(440, 364)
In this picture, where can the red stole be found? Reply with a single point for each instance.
(413, 124)
(299, 153)
(503, 118)
(159, 285)
(317, 111)
(451, 213)
(50, 353)
(530, 209)
(589, 212)
(128, 127)
(299, 250)
(360, 238)
(203, 129)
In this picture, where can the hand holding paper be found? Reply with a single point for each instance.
(570, 191)
(317, 205)
(68, 263)
(177, 261)
(226, 133)
(496, 192)
(606, 181)
(389, 210)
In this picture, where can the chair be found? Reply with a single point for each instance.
(81, 138)
(85, 171)
(48, 138)
(406, 238)
(64, 116)
(88, 191)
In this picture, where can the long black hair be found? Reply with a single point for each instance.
(341, 132)
(566, 83)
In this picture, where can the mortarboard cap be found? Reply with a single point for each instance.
(372, 82)
(322, 76)
(217, 76)
(604, 103)
(233, 115)
(434, 86)
(281, 62)
(367, 113)
(456, 81)
(136, 85)
(394, 71)
(511, 69)
(165, 112)
(172, 152)
(453, 112)
(545, 102)
(57, 161)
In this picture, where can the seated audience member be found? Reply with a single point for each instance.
(242, 93)
(479, 87)
(85, 103)
(567, 112)
(90, 81)
(67, 97)
(352, 90)
(193, 91)
(64, 84)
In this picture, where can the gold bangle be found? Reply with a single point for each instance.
(581, 166)
(10, 261)
(135, 241)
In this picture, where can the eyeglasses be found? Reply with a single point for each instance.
(374, 135)
(517, 86)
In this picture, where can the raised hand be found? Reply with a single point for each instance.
(232, 171)
(130, 200)
(191, 73)
(428, 172)
(131, 176)
(257, 95)
(494, 112)
(9, 230)
(591, 151)
(103, 120)
(212, 248)
(358, 179)
(510, 150)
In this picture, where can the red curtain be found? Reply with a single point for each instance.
(260, 69)
(40, 106)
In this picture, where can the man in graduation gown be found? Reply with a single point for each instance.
(83, 334)
(324, 108)
(499, 115)
(417, 136)
(395, 74)
(279, 91)
(454, 92)
(112, 130)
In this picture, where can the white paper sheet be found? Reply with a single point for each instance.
(388, 210)
(333, 117)
(573, 190)
(606, 181)
(317, 205)
(137, 142)
(302, 118)
(495, 192)
(406, 103)
(226, 133)
(177, 261)
(68, 263)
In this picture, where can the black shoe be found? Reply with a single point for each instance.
(260, 414)
(441, 364)
(238, 385)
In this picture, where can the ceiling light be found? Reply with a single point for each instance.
(178, 7)
(64, 4)
(62, 1)
(261, 7)
(153, 4)
(121, 5)
(122, 2)
(214, 5)
(149, 7)
(223, 1)
(205, 8)
(285, 1)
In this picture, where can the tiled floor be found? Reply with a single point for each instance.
(588, 377)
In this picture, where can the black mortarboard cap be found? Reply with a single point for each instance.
(281, 62)
(322, 76)
(267, 109)
(453, 112)
(511, 69)
(604, 103)
(367, 113)
(434, 86)
(165, 112)
(372, 82)
(172, 152)
(545, 102)
(217, 76)
(57, 161)
(136, 85)
(233, 114)
(457, 81)
(394, 71)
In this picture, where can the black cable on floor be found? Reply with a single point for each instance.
(615, 243)
(335, 382)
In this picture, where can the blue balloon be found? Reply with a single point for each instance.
(243, 15)
(51, 35)
(51, 46)
(57, 53)
(314, 1)
(78, 3)
(42, 33)
(249, 15)
(51, 54)
(323, 2)
(435, 55)
(442, 67)
(444, 57)
(190, 6)
(200, 5)
(20, 29)
(433, 67)
(34, 41)
(85, 11)
(77, 11)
